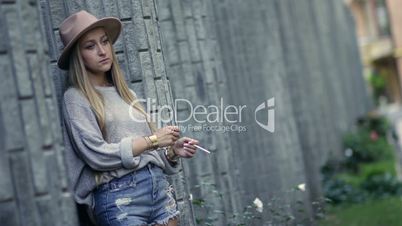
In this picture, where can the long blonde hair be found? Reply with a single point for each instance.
(78, 78)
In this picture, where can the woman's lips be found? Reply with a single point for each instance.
(104, 61)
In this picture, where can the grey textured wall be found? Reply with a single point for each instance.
(33, 189)
(138, 50)
(231, 49)
(302, 52)
(193, 66)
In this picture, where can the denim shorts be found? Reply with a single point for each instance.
(139, 198)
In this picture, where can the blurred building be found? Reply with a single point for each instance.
(378, 27)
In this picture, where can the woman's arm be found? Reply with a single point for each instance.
(88, 142)
(139, 145)
(165, 136)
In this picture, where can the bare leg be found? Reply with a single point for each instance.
(172, 222)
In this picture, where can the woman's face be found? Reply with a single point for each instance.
(96, 51)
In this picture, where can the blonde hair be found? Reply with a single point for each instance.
(78, 78)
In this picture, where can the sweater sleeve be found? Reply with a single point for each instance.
(87, 140)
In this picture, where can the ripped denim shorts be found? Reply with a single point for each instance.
(143, 197)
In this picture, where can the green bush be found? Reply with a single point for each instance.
(382, 185)
(366, 147)
(338, 191)
(374, 122)
(378, 84)
(368, 169)
(377, 185)
(365, 170)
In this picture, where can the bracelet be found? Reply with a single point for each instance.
(171, 155)
(149, 143)
(154, 141)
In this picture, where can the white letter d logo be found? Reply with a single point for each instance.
(271, 115)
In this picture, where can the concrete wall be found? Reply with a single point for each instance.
(139, 53)
(33, 189)
(303, 53)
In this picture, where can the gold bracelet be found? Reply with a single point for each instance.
(149, 143)
(154, 141)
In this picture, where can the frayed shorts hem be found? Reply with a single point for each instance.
(166, 220)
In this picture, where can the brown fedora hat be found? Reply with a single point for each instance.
(74, 26)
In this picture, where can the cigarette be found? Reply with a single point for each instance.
(202, 149)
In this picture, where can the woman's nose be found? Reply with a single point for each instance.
(101, 50)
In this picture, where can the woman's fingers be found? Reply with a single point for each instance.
(192, 151)
(189, 153)
(173, 128)
(175, 134)
(189, 146)
(193, 141)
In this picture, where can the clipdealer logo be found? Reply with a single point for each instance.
(269, 105)
(206, 117)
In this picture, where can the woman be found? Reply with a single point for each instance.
(117, 161)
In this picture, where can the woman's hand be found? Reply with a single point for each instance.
(184, 147)
(167, 136)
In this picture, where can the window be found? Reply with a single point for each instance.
(382, 18)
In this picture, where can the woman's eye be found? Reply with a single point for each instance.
(89, 46)
(105, 41)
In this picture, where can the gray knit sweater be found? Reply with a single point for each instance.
(92, 159)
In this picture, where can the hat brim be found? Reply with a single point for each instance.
(112, 28)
